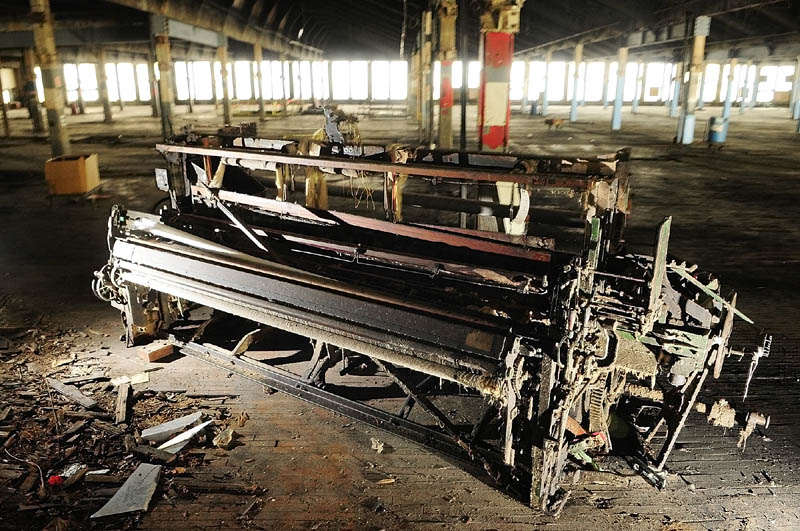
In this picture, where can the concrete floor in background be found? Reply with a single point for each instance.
(734, 212)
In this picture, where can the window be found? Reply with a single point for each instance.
(201, 80)
(244, 87)
(305, 80)
(359, 89)
(87, 74)
(340, 70)
(111, 76)
(380, 80)
(127, 81)
(181, 82)
(321, 85)
(71, 81)
(143, 76)
(398, 79)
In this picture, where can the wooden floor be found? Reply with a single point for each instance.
(735, 212)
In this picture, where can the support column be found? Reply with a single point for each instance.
(286, 91)
(795, 109)
(525, 87)
(676, 88)
(81, 105)
(687, 119)
(151, 79)
(547, 58)
(622, 63)
(330, 81)
(448, 12)
(426, 95)
(746, 89)
(136, 98)
(729, 97)
(4, 106)
(702, 87)
(499, 23)
(165, 94)
(754, 94)
(102, 84)
(463, 50)
(576, 76)
(29, 88)
(606, 68)
(259, 59)
(720, 81)
(637, 94)
(222, 56)
(119, 86)
(51, 76)
(189, 85)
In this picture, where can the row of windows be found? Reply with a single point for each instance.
(388, 80)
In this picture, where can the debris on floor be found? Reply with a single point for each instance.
(377, 445)
(722, 414)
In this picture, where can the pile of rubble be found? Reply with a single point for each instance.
(79, 449)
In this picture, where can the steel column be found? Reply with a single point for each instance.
(639, 87)
(746, 89)
(676, 89)
(573, 112)
(165, 94)
(222, 55)
(119, 86)
(701, 83)
(754, 94)
(547, 58)
(622, 63)
(726, 107)
(426, 70)
(606, 68)
(259, 59)
(151, 79)
(52, 77)
(687, 119)
(102, 84)
(448, 12)
(31, 94)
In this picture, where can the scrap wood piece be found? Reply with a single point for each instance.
(108, 427)
(156, 350)
(153, 455)
(164, 431)
(177, 443)
(5, 413)
(72, 393)
(135, 494)
(123, 403)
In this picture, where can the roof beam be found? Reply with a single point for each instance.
(231, 23)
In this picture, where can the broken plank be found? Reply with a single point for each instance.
(155, 351)
(135, 494)
(123, 403)
(108, 428)
(72, 393)
(153, 455)
(164, 431)
(193, 484)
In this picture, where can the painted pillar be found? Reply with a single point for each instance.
(151, 79)
(4, 106)
(576, 75)
(499, 23)
(606, 68)
(525, 87)
(102, 84)
(52, 77)
(259, 59)
(165, 94)
(448, 12)
(637, 94)
(29, 88)
(547, 58)
(729, 97)
(222, 56)
(687, 119)
(746, 90)
(413, 87)
(622, 63)
(701, 84)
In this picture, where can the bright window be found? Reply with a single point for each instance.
(266, 80)
(144, 81)
(286, 80)
(517, 80)
(341, 79)
(380, 80)
(127, 81)
(88, 77)
(39, 84)
(536, 83)
(320, 69)
(111, 76)
(181, 82)
(555, 81)
(305, 80)
(71, 81)
(201, 77)
(593, 81)
(359, 89)
(436, 78)
(653, 82)
(244, 86)
(474, 74)
(398, 78)
(710, 82)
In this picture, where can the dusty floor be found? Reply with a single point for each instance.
(735, 212)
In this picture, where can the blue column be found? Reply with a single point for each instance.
(573, 112)
(676, 91)
(622, 63)
(547, 58)
(700, 102)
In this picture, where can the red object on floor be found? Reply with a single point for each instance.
(55, 481)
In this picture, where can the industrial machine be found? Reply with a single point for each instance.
(546, 344)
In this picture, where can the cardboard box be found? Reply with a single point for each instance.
(72, 174)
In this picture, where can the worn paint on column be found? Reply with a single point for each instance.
(494, 108)
(102, 83)
(448, 12)
(166, 97)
